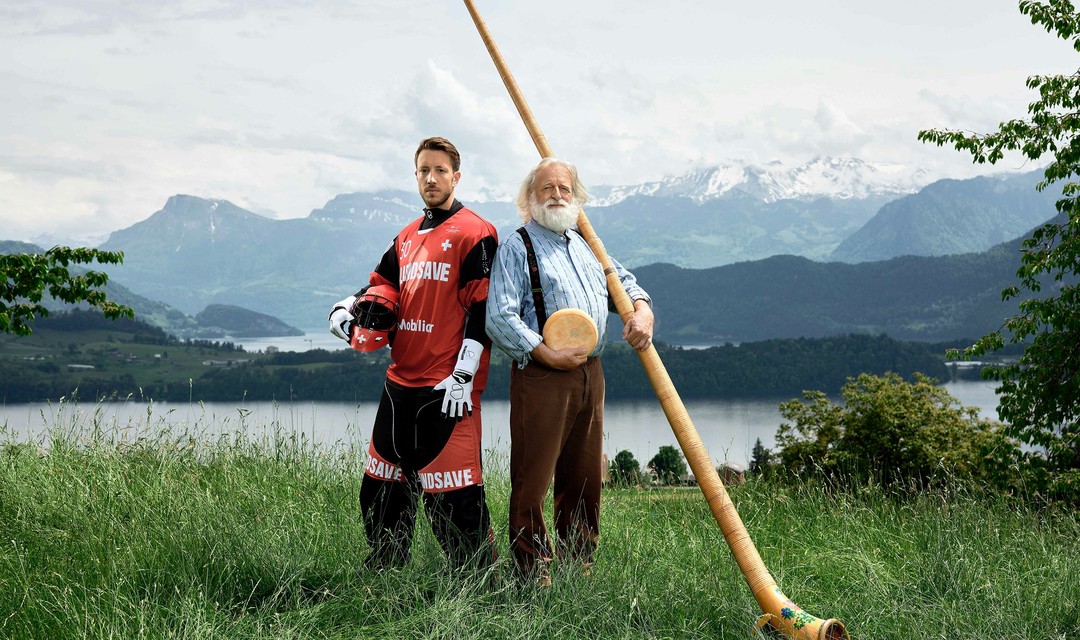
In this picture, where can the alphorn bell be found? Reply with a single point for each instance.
(779, 611)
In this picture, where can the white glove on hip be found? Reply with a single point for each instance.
(459, 385)
(340, 317)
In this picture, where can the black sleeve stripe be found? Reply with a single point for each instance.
(388, 266)
(474, 325)
(477, 263)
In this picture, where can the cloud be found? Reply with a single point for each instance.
(258, 165)
(84, 18)
(968, 112)
(835, 133)
(783, 133)
(49, 170)
(616, 83)
(488, 132)
(111, 106)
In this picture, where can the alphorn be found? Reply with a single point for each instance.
(779, 611)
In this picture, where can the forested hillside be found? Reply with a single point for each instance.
(929, 299)
(952, 217)
(244, 323)
(72, 352)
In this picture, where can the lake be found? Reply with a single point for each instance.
(728, 428)
(306, 342)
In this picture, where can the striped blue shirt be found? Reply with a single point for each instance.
(570, 276)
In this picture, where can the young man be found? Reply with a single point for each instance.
(556, 395)
(427, 434)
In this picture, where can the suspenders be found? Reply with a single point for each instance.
(534, 276)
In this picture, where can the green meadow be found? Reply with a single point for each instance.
(108, 531)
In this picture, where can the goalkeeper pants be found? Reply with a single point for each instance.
(415, 451)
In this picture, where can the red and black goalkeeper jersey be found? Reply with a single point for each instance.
(441, 272)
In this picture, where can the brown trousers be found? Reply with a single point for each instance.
(556, 430)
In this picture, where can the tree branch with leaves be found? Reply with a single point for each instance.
(25, 278)
(1040, 393)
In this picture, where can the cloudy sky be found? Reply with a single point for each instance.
(109, 107)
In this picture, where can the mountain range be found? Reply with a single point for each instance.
(821, 177)
(706, 227)
(951, 217)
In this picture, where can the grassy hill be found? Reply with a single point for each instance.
(262, 538)
(101, 358)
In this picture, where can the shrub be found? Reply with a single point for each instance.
(624, 469)
(893, 431)
(668, 466)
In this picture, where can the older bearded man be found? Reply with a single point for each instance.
(556, 394)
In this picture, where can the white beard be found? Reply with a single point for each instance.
(556, 218)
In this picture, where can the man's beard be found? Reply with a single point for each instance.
(434, 200)
(556, 218)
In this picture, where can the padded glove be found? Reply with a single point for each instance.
(459, 385)
(341, 317)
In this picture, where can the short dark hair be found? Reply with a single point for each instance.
(439, 144)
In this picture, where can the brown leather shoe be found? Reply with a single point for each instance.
(539, 575)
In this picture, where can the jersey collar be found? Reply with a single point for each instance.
(435, 217)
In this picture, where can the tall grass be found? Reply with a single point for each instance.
(152, 532)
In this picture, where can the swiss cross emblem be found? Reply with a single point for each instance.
(446, 245)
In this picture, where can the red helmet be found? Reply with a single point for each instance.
(376, 313)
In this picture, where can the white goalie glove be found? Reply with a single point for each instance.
(459, 385)
(340, 318)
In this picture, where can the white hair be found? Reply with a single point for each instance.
(525, 195)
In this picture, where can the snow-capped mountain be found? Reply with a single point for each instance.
(838, 178)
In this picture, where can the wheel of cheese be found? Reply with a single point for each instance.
(570, 328)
